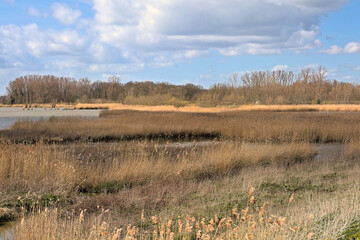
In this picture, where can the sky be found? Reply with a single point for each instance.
(177, 41)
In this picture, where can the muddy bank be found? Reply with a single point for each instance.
(6, 215)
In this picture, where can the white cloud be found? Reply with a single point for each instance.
(332, 50)
(20, 42)
(115, 68)
(119, 12)
(130, 35)
(350, 48)
(311, 6)
(189, 54)
(170, 59)
(233, 27)
(39, 43)
(304, 39)
(280, 67)
(64, 14)
(33, 11)
(251, 49)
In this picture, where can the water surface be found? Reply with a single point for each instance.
(6, 229)
(10, 115)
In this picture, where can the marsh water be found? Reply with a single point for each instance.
(10, 115)
(6, 229)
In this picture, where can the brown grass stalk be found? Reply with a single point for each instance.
(247, 126)
(55, 169)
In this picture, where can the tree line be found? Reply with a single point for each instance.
(50, 89)
(309, 86)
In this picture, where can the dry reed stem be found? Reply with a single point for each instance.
(195, 108)
(52, 168)
(248, 126)
(248, 223)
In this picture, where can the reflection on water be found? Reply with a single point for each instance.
(6, 230)
(329, 150)
(10, 115)
(323, 151)
(5, 122)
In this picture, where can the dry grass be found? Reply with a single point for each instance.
(5, 105)
(170, 182)
(325, 199)
(308, 217)
(43, 168)
(35, 168)
(248, 126)
(197, 109)
(248, 223)
(353, 150)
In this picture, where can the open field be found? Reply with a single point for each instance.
(74, 181)
(254, 126)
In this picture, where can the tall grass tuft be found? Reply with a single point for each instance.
(52, 168)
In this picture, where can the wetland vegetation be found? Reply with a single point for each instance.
(218, 163)
(147, 175)
(253, 126)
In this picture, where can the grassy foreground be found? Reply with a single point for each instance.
(303, 200)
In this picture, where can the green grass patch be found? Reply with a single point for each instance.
(107, 187)
(352, 232)
(294, 184)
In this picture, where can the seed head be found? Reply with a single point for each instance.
(291, 198)
(251, 191)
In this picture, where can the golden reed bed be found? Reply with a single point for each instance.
(194, 108)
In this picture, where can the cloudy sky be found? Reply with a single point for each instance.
(177, 41)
